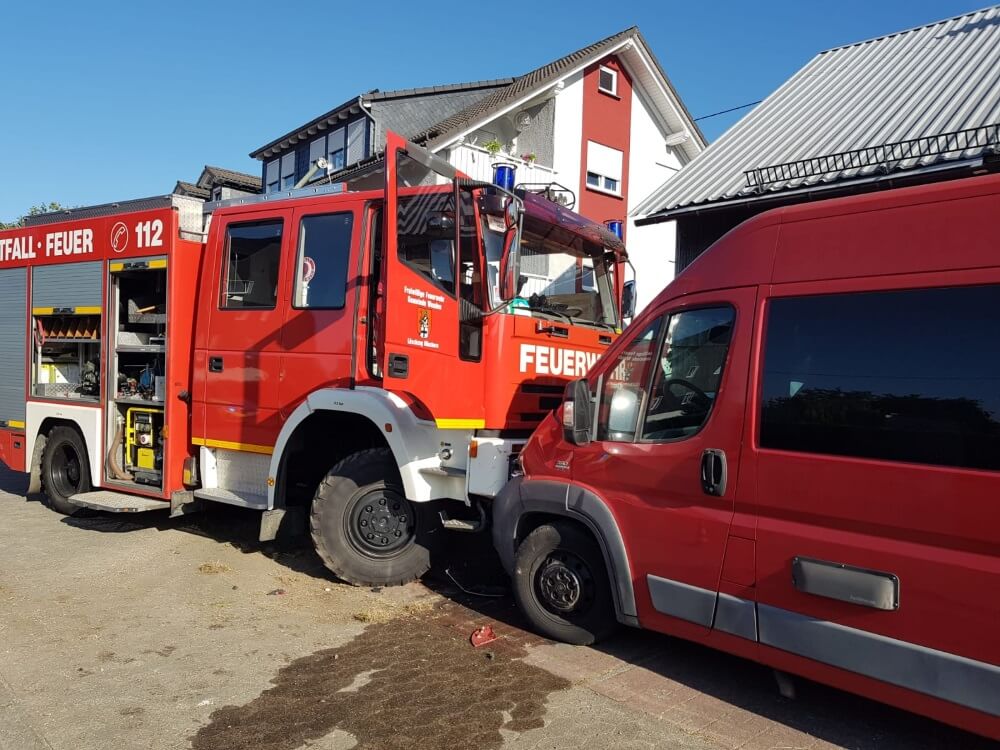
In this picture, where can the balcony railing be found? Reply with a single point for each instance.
(478, 164)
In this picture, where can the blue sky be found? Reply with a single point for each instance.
(106, 101)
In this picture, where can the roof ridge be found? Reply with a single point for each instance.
(438, 88)
(547, 71)
(910, 30)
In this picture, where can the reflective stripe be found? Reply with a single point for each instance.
(460, 424)
(66, 310)
(245, 447)
(15, 424)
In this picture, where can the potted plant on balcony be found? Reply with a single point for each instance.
(493, 147)
(529, 157)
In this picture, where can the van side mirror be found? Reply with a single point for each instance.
(628, 299)
(577, 412)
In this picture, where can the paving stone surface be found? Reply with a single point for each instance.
(141, 632)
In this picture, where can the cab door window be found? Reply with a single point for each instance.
(250, 268)
(321, 267)
(688, 373)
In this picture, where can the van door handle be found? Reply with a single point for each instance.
(714, 472)
(215, 364)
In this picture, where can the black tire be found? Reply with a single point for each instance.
(561, 584)
(363, 527)
(65, 469)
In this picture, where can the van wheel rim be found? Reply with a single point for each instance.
(380, 523)
(66, 471)
(564, 583)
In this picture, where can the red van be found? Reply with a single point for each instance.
(793, 455)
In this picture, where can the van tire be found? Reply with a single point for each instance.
(561, 584)
(363, 527)
(65, 469)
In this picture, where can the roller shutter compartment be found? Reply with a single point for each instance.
(13, 344)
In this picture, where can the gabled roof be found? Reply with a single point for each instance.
(629, 44)
(216, 176)
(934, 79)
(189, 188)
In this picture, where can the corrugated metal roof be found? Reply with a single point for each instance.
(938, 78)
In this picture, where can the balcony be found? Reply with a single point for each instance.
(477, 163)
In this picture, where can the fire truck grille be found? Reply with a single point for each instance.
(533, 402)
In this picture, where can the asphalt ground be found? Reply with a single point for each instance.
(141, 632)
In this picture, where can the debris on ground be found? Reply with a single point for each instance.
(213, 568)
(276, 592)
(482, 636)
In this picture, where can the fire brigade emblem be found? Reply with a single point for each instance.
(424, 322)
(119, 237)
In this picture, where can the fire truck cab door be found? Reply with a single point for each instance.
(427, 354)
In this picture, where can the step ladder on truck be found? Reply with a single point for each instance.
(371, 354)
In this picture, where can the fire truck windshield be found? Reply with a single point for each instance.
(559, 275)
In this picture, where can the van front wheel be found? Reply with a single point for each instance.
(363, 527)
(561, 584)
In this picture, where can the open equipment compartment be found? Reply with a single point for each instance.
(136, 428)
(66, 332)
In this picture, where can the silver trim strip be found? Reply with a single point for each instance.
(736, 616)
(682, 600)
(967, 682)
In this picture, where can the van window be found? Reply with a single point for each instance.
(321, 268)
(623, 390)
(896, 375)
(250, 267)
(688, 374)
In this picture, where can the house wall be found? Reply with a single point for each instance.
(567, 131)
(652, 249)
(539, 137)
(606, 120)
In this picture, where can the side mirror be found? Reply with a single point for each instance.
(577, 413)
(628, 299)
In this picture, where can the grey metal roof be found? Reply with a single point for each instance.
(933, 79)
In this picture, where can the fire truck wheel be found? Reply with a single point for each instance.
(362, 525)
(561, 584)
(65, 470)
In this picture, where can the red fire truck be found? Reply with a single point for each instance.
(363, 354)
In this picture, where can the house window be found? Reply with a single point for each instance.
(604, 168)
(317, 150)
(336, 149)
(272, 176)
(607, 81)
(288, 171)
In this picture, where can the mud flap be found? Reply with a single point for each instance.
(282, 523)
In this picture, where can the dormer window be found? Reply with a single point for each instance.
(607, 81)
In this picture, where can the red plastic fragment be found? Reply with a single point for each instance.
(482, 636)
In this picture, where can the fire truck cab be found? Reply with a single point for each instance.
(374, 358)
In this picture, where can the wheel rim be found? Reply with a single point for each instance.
(564, 584)
(380, 523)
(66, 470)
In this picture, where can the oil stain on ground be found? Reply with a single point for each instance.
(413, 682)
